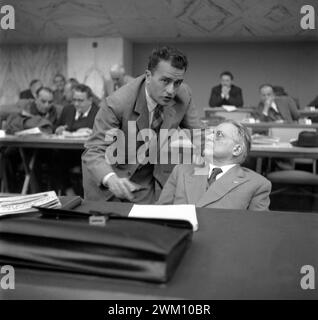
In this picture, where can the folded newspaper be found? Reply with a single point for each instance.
(23, 204)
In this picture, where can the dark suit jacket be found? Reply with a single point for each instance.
(68, 118)
(129, 104)
(235, 98)
(286, 107)
(314, 102)
(26, 94)
(238, 188)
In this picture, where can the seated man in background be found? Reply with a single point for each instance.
(79, 116)
(39, 113)
(222, 183)
(30, 93)
(58, 89)
(118, 78)
(273, 108)
(226, 93)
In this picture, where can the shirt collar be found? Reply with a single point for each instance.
(274, 106)
(225, 168)
(151, 103)
(85, 115)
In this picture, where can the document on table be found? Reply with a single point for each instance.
(23, 204)
(177, 212)
(229, 108)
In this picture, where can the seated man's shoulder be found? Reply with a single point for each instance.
(255, 176)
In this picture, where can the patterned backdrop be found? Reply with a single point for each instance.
(19, 64)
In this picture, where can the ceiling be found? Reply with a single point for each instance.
(47, 21)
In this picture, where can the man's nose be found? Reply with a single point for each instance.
(170, 88)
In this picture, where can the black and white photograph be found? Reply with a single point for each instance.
(159, 150)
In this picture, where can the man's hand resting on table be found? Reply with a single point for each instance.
(122, 188)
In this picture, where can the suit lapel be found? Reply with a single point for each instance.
(142, 110)
(195, 183)
(283, 111)
(230, 180)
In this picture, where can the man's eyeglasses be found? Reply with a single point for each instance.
(78, 100)
(46, 101)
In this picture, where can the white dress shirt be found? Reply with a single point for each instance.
(224, 169)
(85, 115)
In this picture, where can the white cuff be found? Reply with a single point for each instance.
(105, 179)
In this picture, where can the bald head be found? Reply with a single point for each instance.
(117, 72)
(266, 93)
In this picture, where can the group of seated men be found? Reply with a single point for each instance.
(159, 99)
(275, 104)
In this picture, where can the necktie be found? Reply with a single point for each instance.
(213, 175)
(157, 118)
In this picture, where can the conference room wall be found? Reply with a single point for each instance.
(292, 65)
(21, 63)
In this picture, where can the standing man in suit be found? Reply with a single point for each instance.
(156, 100)
(226, 93)
(222, 183)
(272, 108)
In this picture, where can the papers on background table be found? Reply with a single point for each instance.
(28, 132)
(264, 140)
(81, 133)
(23, 204)
(177, 212)
(229, 108)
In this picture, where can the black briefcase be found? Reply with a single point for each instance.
(143, 249)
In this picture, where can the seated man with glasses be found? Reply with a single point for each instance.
(79, 116)
(222, 182)
(39, 113)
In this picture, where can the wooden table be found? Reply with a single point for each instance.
(235, 254)
(35, 143)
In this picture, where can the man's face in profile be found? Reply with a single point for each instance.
(164, 82)
(44, 101)
(266, 94)
(226, 81)
(225, 140)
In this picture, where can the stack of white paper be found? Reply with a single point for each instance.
(22, 204)
(177, 212)
(28, 132)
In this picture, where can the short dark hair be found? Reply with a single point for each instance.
(84, 88)
(265, 85)
(177, 59)
(32, 82)
(47, 89)
(227, 73)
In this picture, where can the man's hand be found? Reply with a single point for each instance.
(226, 92)
(122, 188)
(59, 130)
(267, 105)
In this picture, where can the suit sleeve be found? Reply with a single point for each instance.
(215, 98)
(261, 200)
(106, 123)
(191, 118)
(236, 98)
(293, 109)
(169, 190)
(314, 102)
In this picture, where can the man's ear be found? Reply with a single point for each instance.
(237, 150)
(148, 75)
